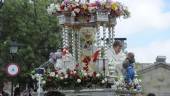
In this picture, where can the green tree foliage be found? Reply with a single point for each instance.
(27, 22)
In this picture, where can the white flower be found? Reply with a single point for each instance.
(121, 78)
(85, 74)
(65, 9)
(103, 81)
(66, 76)
(57, 7)
(78, 80)
(136, 81)
(139, 80)
(90, 74)
(52, 74)
(97, 75)
(56, 75)
(43, 82)
(74, 72)
(61, 78)
(120, 88)
(53, 8)
(73, 13)
(116, 83)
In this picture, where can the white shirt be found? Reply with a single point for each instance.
(115, 61)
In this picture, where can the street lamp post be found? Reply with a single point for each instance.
(13, 51)
(1, 3)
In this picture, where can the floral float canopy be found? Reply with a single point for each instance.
(78, 9)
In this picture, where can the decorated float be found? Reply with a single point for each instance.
(87, 31)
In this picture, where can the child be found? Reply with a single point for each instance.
(128, 65)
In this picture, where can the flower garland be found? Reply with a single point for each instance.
(77, 9)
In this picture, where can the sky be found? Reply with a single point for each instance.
(147, 30)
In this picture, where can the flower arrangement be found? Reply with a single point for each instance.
(77, 9)
(81, 77)
(73, 79)
(121, 85)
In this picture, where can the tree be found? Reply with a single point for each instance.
(27, 22)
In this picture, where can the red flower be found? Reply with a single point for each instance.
(84, 78)
(77, 76)
(56, 72)
(65, 51)
(62, 7)
(49, 78)
(77, 65)
(94, 74)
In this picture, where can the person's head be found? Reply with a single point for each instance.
(17, 91)
(117, 46)
(131, 57)
(151, 94)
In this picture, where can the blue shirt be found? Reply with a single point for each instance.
(130, 74)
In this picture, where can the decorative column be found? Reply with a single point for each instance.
(104, 37)
(78, 47)
(65, 37)
(113, 34)
(110, 37)
(98, 39)
(113, 23)
(73, 44)
(104, 49)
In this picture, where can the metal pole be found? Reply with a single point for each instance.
(12, 77)
(104, 67)
(39, 85)
(12, 87)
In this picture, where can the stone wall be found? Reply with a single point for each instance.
(157, 81)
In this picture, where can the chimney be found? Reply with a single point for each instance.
(160, 59)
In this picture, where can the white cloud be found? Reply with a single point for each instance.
(148, 54)
(145, 15)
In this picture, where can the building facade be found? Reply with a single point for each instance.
(156, 78)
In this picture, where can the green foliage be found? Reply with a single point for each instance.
(29, 24)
